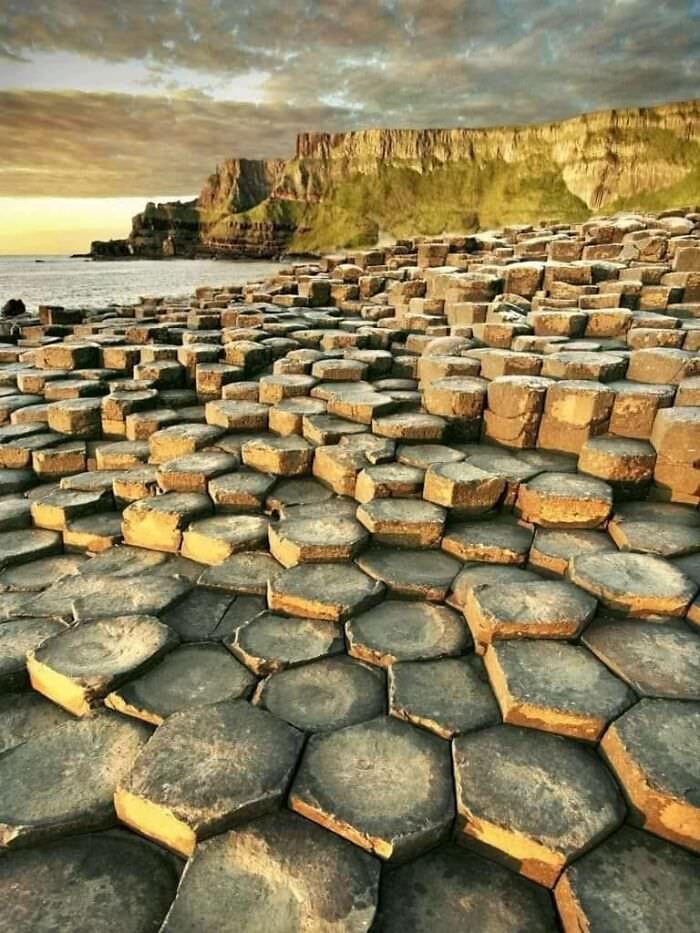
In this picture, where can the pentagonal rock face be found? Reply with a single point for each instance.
(654, 750)
(212, 540)
(546, 609)
(559, 500)
(383, 785)
(548, 800)
(634, 584)
(325, 695)
(25, 715)
(16, 639)
(205, 769)
(454, 891)
(399, 631)
(80, 665)
(403, 522)
(279, 872)
(272, 643)
(62, 781)
(617, 887)
(247, 572)
(416, 574)
(88, 883)
(656, 660)
(193, 675)
(499, 541)
(332, 592)
(448, 696)
(296, 541)
(555, 687)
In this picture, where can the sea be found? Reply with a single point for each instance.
(82, 283)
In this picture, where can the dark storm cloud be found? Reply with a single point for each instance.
(77, 144)
(330, 64)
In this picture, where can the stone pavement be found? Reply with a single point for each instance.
(363, 598)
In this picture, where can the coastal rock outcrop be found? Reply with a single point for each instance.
(354, 189)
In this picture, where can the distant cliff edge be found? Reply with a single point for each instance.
(351, 189)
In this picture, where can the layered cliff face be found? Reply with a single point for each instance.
(349, 189)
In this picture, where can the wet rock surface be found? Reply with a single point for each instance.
(303, 582)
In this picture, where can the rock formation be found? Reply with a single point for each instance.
(351, 189)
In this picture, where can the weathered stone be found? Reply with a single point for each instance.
(17, 547)
(158, 523)
(79, 666)
(214, 539)
(331, 592)
(412, 574)
(499, 541)
(280, 456)
(297, 541)
(403, 522)
(548, 801)
(559, 500)
(552, 549)
(62, 781)
(271, 643)
(25, 715)
(383, 785)
(206, 769)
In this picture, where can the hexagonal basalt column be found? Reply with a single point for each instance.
(532, 800)
(332, 592)
(322, 540)
(654, 749)
(403, 522)
(206, 769)
(384, 785)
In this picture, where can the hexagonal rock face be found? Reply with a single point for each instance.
(499, 541)
(654, 750)
(531, 800)
(193, 675)
(634, 584)
(448, 696)
(322, 540)
(463, 487)
(454, 891)
(272, 643)
(325, 695)
(62, 781)
(552, 550)
(617, 887)
(205, 769)
(398, 631)
(546, 609)
(213, 540)
(279, 873)
(416, 574)
(403, 522)
(281, 456)
(80, 665)
(86, 883)
(331, 592)
(383, 785)
(555, 687)
(561, 500)
(656, 660)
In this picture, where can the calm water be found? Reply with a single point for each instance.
(80, 283)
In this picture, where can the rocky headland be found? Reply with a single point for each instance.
(347, 190)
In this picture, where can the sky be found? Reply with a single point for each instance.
(104, 105)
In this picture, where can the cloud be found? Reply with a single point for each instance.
(79, 144)
(311, 65)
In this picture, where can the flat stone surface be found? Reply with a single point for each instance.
(192, 675)
(448, 696)
(214, 539)
(383, 785)
(453, 891)
(199, 616)
(331, 592)
(18, 547)
(475, 574)
(403, 522)
(38, 574)
(634, 584)
(548, 800)
(551, 549)
(654, 752)
(62, 782)
(406, 631)
(628, 883)
(545, 609)
(655, 660)
(247, 572)
(324, 695)
(280, 872)
(560, 500)
(77, 667)
(204, 770)
(499, 541)
(272, 643)
(25, 715)
(555, 687)
(17, 637)
(88, 882)
(320, 540)
(413, 574)
(241, 492)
